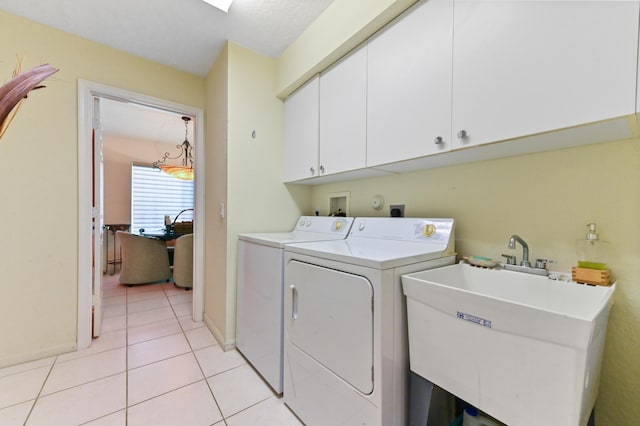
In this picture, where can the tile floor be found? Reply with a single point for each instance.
(152, 365)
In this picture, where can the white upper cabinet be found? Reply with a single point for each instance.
(301, 132)
(452, 74)
(343, 115)
(409, 85)
(525, 67)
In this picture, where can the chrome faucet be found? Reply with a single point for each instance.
(525, 249)
(525, 265)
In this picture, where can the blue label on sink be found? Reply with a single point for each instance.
(468, 317)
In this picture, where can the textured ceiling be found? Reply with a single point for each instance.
(131, 121)
(184, 34)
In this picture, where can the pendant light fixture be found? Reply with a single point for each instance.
(184, 171)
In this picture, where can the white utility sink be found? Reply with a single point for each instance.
(526, 349)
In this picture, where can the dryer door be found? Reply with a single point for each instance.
(331, 320)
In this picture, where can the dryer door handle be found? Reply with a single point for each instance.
(294, 302)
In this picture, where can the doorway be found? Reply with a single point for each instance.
(89, 290)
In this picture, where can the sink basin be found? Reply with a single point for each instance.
(526, 349)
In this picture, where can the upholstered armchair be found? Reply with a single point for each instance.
(183, 261)
(144, 259)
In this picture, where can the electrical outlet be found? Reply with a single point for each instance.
(396, 210)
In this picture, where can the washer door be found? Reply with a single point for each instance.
(331, 320)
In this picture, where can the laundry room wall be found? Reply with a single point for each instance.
(245, 130)
(548, 199)
(216, 128)
(39, 178)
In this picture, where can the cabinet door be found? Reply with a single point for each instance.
(524, 67)
(409, 85)
(343, 115)
(301, 133)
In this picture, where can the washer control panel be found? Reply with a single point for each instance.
(325, 224)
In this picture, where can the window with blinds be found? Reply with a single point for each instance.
(155, 194)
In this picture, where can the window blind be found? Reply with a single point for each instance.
(155, 194)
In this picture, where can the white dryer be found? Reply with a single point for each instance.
(259, 313)
(346, 346)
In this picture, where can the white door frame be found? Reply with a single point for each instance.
(87, 90)
(98, 219)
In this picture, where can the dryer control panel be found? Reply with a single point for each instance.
(403, 229)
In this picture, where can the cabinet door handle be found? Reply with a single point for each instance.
(321, 169)
(294, 302)
(312, 170)
(462, 134)
(438, 140)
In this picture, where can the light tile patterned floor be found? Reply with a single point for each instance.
(152, 365)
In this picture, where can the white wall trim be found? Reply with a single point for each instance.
(36, 355)
(87, 90)
(226, 346)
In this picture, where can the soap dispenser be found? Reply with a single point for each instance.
(592, 252)
(592, 260)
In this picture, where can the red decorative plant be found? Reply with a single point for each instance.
(13, 93)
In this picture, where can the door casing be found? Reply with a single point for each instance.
(87, 91)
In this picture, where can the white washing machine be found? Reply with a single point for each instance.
(259, 324)
(346, 347)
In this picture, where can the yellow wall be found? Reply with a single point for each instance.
(343, 25)
(547, 198)
(39, 179)
(216, 193)
(251, 185)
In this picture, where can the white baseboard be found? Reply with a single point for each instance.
(34, 356)
(217, 334)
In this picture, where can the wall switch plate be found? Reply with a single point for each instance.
(396, 210)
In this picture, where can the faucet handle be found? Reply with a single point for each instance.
(511, 260)
(542, 263)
